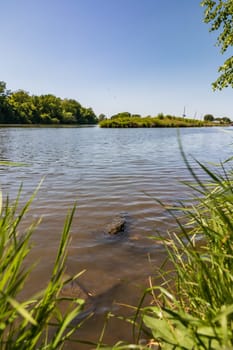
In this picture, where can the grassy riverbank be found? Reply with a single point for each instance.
(160, 121)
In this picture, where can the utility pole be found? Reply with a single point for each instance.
(184, 115)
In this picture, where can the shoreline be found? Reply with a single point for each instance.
(110, 126)
(48, 125)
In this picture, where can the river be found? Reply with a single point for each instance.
(107, 172)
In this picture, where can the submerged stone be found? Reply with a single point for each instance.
(116, 226)
(76, 289)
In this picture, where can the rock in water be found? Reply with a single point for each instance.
(75, 288)
(116, 226)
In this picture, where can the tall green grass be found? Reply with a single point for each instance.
(194, 308)
(38, 322)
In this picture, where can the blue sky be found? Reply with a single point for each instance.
(141, 56)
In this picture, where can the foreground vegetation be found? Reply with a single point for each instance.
(219, 14)
(36, 323)
(127, 120)
(193, 308)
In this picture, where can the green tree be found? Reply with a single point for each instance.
(2, 88)
(226, 120)
(71, 110)
(121, 115)
(102, 117)
(219, 14)
(49, 107)
(5, 111)
(208, 118)
(21, 106)
(2, 100)
(87, 116)
(135, 116)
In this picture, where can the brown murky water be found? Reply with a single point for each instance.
(107, 172)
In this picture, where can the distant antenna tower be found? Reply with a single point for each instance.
(184, 115)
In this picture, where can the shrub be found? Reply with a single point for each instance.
(160, 116)
(208, 118)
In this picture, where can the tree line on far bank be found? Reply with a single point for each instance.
(19, 107)
(211, 118)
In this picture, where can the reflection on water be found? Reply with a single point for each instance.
(106, 172)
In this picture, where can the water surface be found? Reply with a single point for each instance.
(107, 172)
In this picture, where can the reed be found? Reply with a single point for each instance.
(35, 323)
(194, 308)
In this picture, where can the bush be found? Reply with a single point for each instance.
(160, 116)
(208, 118)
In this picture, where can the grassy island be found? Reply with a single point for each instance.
(127, 120)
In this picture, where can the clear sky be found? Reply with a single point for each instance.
(140, 56)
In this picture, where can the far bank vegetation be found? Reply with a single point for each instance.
(19, 107)
(127, 120)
